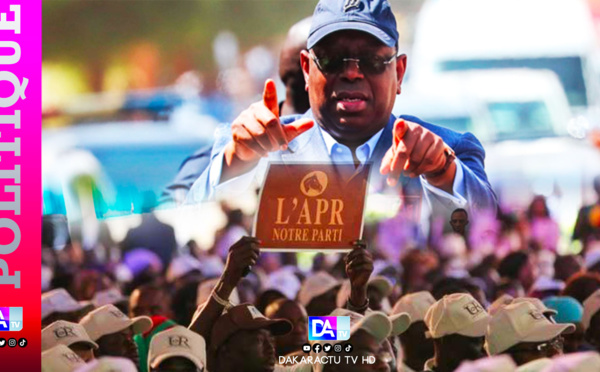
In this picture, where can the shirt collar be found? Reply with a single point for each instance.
(369, 145)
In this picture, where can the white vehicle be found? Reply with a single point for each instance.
(522, 118)
(556, 35)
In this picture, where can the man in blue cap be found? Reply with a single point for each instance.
(353, 73)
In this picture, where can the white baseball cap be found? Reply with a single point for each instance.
(109, 364)
(285, 281)
(60, 301)
(108, 319)
(588, 361)
(539, 305)
(182, 265)
(415, 304)
(457, 313)
(316, 285)
(400, 322)
(521, 322)
(499, 303)
(591, 305)
(205, 289)
(499, 363)
(60, 359)
(65, 333)
(177, 342)
(108, 297)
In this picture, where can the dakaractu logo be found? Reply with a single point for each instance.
(314, 183)
(328, 328)
(11, 318)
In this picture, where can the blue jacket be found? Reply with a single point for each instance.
(310, 146)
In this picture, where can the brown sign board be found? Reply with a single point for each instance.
(315, 207)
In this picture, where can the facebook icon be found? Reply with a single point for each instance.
(328, 328)
(11, 318)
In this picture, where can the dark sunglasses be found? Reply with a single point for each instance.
(370, 65)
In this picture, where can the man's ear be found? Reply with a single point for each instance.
(305, 64)
(400, 70)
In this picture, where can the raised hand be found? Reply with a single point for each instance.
(417, 151)
(258, 131)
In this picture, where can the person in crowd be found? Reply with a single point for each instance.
(459, 220)
(69, 334)
(580, 286)
(60, 359)
(543, 230)
(590, 320)
(351, 101)
(111, 296)
(113, 331)
(242, 340)
(296, 314)
(58, 304)
(568, 310)
(86, 283)
(417, 263)
(518, 266)
(318, 293)
(565, 266)
(184, 302)
(416, 347)
(457, 323)
(150, 300)
(177, 350)
(524, 333)
(152, 234)
(587, 225)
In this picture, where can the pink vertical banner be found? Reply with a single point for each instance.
(20, 183)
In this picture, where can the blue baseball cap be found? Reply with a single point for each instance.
(568, 309)
(371, 16)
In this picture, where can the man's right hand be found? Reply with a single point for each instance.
(242, 255)
(258, 131)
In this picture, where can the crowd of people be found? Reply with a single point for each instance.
(485, 290)
(438, 307)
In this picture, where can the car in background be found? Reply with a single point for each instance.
(522, 117)
(118, 161)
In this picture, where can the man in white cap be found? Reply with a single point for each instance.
(399, 324)
(60, 359)
(591, 320)
(59, 305)
(293, 311)
(523, 332)
(417, 348)
(111, 296)
(318, 293)
(69, 334)
(177, 350)
(368, 337)
(113, 331)
(457, 323)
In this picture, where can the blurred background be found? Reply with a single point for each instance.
(131, 88)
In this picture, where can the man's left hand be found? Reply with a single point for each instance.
(417, 151)
(359, 265)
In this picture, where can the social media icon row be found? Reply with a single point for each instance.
(317, 348)
(12, 342)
